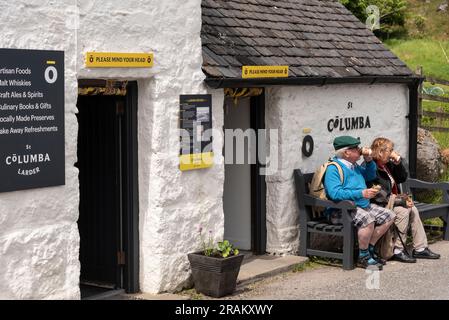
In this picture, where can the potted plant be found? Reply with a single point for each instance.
(215, 268)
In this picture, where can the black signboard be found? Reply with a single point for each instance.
(196, 124)
(32, 153)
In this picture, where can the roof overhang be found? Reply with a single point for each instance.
(216, 83)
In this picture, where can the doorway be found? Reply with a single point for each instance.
(108, 208)
(244, 193)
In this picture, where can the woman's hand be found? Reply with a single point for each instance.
(395, 157)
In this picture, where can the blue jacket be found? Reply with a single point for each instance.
(354, 182)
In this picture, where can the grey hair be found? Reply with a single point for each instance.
(340, 152)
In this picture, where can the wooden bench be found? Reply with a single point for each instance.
(427, 210)
(310, 224)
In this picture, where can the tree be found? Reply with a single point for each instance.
(391, 13)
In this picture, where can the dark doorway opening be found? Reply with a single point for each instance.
(107, 163)
(258, 182)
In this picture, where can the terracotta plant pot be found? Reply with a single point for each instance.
(212, 276)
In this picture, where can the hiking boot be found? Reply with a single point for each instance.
(403, 257)
(380, 260)
(426, 254)
(376, 257)
(368, 262)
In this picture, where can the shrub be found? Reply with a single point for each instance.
(420, 22)
(391, 13)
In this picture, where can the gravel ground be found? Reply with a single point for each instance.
(426, 279)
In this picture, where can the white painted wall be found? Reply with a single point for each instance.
(292, 109)
(172, 204)
(39, 239)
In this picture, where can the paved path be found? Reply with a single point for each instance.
(426, 279)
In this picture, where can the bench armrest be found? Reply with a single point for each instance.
(313, 201)
(415, 183)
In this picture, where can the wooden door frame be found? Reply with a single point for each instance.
(131, 195)
(258, 183)
(131, 272)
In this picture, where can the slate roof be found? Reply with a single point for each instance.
(315, 38)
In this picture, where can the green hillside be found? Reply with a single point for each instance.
(423, 19)
(431, 54)
(426, 43)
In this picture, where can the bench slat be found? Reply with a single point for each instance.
(338, 228)
(336, 233)
(312, 224)
(423, 207)
(334, 228)
(327, 254)
(324, 227)
(321, 226)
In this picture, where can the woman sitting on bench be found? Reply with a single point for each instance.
(390, 173)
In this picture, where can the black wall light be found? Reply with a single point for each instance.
(307, 146)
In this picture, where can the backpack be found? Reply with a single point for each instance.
(316, 186)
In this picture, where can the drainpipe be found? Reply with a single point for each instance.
(413, 125)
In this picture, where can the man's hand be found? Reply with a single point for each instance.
(367, 154)
(369, 193)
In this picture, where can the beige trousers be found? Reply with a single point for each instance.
(404, 218)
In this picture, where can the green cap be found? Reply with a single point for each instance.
(345, 141)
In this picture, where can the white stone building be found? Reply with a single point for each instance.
(127, 216)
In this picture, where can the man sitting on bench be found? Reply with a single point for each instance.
(371, 220)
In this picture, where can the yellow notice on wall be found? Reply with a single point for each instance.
(264, 71)
(196, 161)
(118, 60)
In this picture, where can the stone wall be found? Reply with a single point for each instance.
(39, 239)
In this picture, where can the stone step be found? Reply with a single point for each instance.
(255, 268)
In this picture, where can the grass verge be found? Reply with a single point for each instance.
(428, 53)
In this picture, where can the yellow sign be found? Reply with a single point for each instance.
(264, 71)
(196, 161)
(118, 60)
(306, 130)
